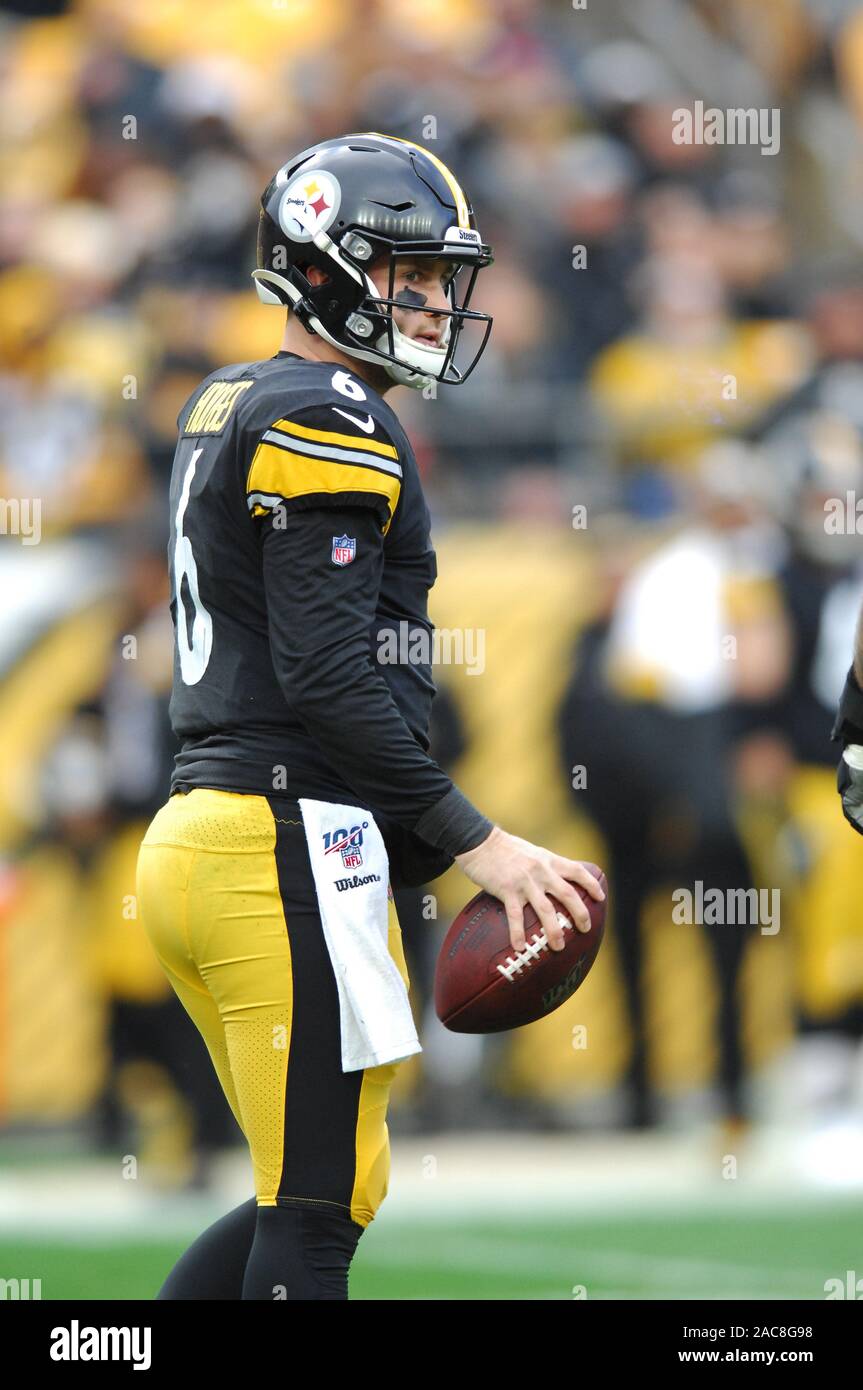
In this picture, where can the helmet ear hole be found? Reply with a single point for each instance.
(324, 279)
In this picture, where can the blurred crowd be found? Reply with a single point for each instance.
(677, 349)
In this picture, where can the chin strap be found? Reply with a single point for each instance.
(415, 368)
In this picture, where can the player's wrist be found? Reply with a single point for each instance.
(453, 824)
(493, 838)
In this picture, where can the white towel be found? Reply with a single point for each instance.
(351, 871)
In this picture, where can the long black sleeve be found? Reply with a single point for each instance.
(320, 618)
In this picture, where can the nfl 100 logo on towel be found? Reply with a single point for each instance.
(344, 549)
(347, 843)
(350, 866)
(351, 856)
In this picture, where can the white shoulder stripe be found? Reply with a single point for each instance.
(296, 445)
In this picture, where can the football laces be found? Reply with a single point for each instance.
(521, 960)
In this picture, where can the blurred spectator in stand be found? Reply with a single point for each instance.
(593, 246)
(831, 304)
(688, 372)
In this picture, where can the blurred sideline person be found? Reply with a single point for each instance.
(821, 583)
(654, 710)
(848, 729)
(812, 438)
(303, 792)
(833, 1068)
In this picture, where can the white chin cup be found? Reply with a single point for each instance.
(853, 755)
(419, 362)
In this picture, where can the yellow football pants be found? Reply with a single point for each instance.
(227, 898)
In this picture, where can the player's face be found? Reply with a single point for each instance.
(415, 278)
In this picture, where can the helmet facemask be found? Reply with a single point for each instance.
(347, 309)
(406, 360)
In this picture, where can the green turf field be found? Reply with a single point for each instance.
(776, 1254)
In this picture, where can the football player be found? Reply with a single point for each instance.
(300, 535)
(848, 730)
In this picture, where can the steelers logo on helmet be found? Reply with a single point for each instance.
(309, 204)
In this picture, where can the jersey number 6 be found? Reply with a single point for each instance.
(195, 655)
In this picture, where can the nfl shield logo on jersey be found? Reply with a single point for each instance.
(344, 549)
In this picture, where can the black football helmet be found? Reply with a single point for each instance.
(342, 204)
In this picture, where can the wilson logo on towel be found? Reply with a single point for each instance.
(343, 884)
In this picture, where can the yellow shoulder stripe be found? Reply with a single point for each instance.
(351, 441)
(281, 473)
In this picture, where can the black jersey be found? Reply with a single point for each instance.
(301, 561)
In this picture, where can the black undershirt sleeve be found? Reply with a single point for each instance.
(320, 616)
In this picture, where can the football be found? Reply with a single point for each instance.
(482, 985)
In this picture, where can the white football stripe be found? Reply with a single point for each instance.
(330, 451)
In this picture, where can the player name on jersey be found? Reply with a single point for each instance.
(212, 412)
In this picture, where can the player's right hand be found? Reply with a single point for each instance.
(517, 872)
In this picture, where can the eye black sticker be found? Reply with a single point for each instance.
(412, 298)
